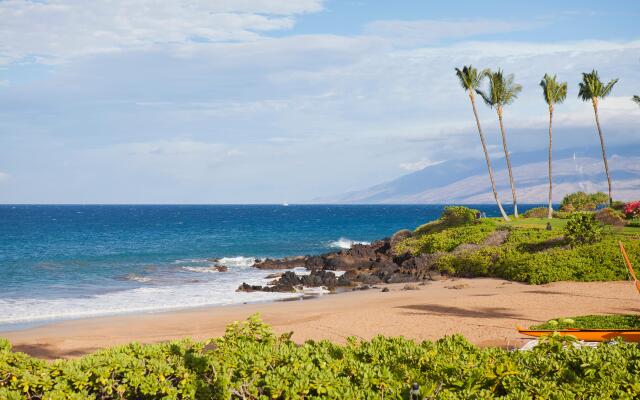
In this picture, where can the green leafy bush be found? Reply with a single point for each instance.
(448, 239)
(451, 216)
(251, 362)
(458, 215)
(561, 214)
(581, 201)
(538, 212)
(588, 262)
(530, 253)
(583, 228)
(537, 256)
(471, 264)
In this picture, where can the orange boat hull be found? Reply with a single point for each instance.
(589, 335)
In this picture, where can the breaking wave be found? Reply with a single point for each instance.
(344, 243)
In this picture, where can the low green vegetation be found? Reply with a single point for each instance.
(581, 201)
(448, 238)
(578, 248)
(251, 362)
(538, 212)
(593, 322)
(583, 228)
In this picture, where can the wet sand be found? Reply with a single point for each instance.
(486, 311)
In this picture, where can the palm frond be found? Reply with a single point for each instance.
(592, 87)
(606, 90)
(469, 78)
(553, 91)
(486, 97)
(502, 90)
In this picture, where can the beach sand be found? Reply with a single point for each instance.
(485, 311)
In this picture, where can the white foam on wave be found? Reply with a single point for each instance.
(215, 292)
(237, 261)
(136, 278)
(344, 243)
(191, 260)
(208, 270)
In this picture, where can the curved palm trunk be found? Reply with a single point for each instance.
(506, 155)
(486, 156)
(550, 214)
(604, 152)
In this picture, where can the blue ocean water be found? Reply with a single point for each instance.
(72, 261)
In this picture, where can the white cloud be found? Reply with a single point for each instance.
(56, 30)
(279, 118)
(418, 165)
(427, 31)
(180, 159)
(4, 177)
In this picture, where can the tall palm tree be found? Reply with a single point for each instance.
(470, 80)
(636, 99)
(592, 88)
(502, 91)
(554, 92)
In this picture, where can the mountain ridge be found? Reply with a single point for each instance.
(467, 181)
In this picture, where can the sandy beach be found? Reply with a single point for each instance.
(485, 311)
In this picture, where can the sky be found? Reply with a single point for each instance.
(265, 101)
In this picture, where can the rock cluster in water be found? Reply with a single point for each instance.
(363, 264)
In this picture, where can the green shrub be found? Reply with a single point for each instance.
(583, 228)
(251, 362)
(451, 216)
(610, 216)
(561, 214)
(458, 215)
(472, 264)
(447, 239)
(581, 201)
(538, 256)
(634, 223)
(538, 212)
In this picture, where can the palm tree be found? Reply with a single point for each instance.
(502, 91)
(554, 93)
(592, 88)
(470, 81)
(636, 99)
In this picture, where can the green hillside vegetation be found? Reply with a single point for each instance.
(251, 362)
(530, 253)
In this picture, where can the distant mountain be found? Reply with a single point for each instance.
(467, 181)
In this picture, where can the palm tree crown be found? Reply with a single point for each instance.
(592, 87)
(636, 99)
(502, 91)
(469, 77)
(553, 91)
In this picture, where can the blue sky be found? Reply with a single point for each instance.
(245, 101)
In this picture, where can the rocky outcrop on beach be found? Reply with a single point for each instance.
(363, 264)
(290, 281)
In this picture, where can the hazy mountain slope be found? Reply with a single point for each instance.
(468, 182)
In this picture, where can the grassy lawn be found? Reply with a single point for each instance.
(556, 223)
(593, 322)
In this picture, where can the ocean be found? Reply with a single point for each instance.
(74, 261)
